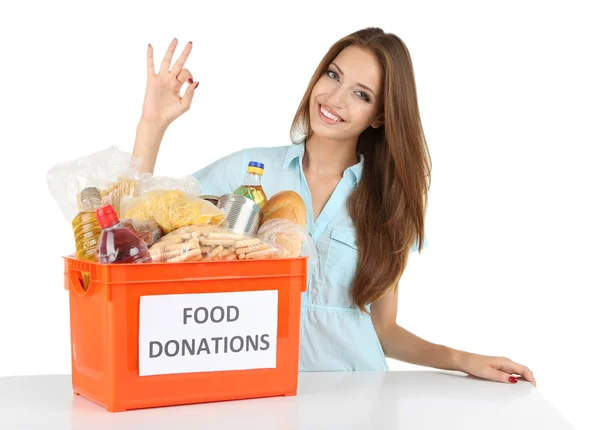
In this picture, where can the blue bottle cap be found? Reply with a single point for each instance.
(256, 164)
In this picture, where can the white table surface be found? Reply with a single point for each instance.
(344, 400)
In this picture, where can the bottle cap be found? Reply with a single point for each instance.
(256, 167)
(107, 217)
(90, 193)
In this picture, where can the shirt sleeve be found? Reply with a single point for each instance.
(415, 246)
(222, 176)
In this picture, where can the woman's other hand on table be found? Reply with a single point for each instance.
(499, 369)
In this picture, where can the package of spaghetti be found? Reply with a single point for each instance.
(123, 188)
(173, 209)
(210, 243)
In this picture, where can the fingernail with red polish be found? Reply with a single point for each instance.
(190, 80)
(512, 380)
(197, 83)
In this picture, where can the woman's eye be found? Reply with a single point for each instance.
(363, 96)
(332, 74)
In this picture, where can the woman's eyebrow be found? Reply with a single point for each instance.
(358, 84)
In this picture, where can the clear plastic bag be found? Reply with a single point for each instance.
(116, 174)
(291, 238)
(113, 172)
(211, 243)
(188, 184)
(146, 229)
(173, 209)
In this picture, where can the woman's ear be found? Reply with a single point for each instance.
(379, 121)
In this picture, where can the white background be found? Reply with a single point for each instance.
(508, 93)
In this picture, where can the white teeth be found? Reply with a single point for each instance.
(330, 115)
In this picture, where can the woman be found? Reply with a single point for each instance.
(362, 166)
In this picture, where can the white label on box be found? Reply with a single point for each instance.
(183, 333)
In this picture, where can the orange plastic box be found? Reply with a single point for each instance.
(105, 330)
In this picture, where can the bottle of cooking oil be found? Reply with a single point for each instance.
(85, 225)
(86, 229)
(252, 187)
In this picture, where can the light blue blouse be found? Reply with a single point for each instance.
(334, 334)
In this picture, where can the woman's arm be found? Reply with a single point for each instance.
(400, 344)
(148, 137)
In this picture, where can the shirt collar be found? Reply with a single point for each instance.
(357, 169)
(296, 150)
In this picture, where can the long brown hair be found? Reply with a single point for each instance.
(389, 204)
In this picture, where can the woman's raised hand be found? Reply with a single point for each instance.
(162, 102)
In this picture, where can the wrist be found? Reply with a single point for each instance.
(152, 126)
(457, 358)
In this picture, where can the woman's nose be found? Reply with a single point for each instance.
(336, 98)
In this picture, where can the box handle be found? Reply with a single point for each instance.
(76, 277)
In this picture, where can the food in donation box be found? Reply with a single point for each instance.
(252, 186)
(85, 225)
(163, 219)
(173, 209)
(284, 222)
(86, 229)
(118, 191)
(117, 244)
(145, 228)
(209, 243)
(242, 215)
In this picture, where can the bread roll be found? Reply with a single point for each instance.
(285, 204)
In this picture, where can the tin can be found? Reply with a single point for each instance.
(242, 215)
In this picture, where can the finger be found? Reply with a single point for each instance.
(166, 63)
(519, 369)
(150, 60)
(182, 59)
(185, 76)
(186, 100)
(525, 373)
(497, 375)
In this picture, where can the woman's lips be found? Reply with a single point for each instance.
(328, 120)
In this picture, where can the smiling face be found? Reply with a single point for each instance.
(346, 98)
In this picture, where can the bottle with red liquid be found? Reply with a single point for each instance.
(118, 244)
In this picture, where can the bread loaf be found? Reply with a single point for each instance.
(287, 205)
